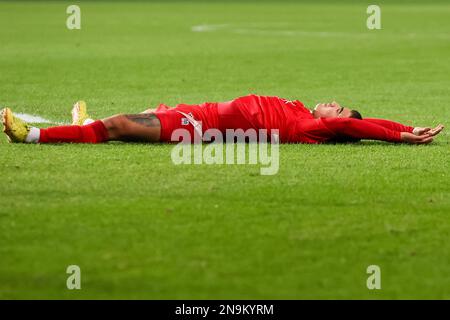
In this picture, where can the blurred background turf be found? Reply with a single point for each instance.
(140, 227)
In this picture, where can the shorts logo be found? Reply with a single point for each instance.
(186, 121)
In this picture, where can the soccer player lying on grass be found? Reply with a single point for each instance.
(295, 123)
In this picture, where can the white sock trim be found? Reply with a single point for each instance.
(88, 121)
(33, 136)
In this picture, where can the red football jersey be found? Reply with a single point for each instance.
(294, 122)
(273, 113)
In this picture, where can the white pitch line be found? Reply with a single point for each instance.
(29, 118)
(249, 29)
(270, 32)
(294, 33)
(208, 27)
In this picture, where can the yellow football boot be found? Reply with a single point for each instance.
(79, 113)
(16, 129)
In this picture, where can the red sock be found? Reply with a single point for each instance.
(92, 133)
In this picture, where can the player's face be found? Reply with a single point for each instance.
(331, 110)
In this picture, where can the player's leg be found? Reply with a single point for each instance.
(139, 127)
(119, 127)
(160, 108)
(151, 110)
(81, 117)
(133, 127)
(122, 127)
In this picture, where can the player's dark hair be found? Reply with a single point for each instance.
(355, 114)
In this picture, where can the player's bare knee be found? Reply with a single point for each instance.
(116, 126)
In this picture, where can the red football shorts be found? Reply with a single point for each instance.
(196, 119)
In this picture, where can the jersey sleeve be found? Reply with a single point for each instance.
(392, 125)
(360, 129)
(329, 129)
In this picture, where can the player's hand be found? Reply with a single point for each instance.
(435, 131)
(424, 138)
(418, 131)
(413, 139)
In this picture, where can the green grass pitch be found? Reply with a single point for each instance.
(141, 227)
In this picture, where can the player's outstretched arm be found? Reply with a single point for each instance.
(392, 125)
(362, 129)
